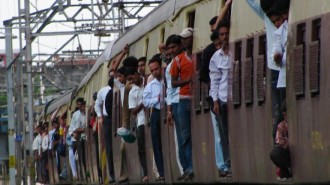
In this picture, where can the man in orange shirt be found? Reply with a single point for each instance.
(182, 73)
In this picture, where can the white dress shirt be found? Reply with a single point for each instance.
(45, 143)
(37, 142)
(220, 66)
(152, 94)
(78, 121)
(279, 46)
(134, 99)
(99, 103)
(172, 94)
(270, 28)
(50, 137)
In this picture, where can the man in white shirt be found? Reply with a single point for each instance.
(137, 109)
(73, 126)
(220, 67)
(153, 97)
(37, 142)
(44, 148)
(104, 120)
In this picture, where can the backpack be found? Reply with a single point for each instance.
(108, 103)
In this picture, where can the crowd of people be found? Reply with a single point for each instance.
(169, 87)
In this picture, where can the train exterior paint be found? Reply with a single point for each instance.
(250, 117)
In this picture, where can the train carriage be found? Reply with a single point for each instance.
(250, 114)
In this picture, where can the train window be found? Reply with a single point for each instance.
(248, 72)
(299, 61)
(191, 19)
(237, 75)
(314, 58)
(162, 35)
(146, 46)
(261, 69)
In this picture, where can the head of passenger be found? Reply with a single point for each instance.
(187, 38)
(45, 126)
(155, 66)
(276, 17)
(83, 107)
(215, 39)
(142, 65)
(174, 45)
(55, 123)
(224, 33)
(39, 128)
(78, 102)
(121, 75)
(95, 96)
(130, 61)
(162, 48)
(132, 75)
(212, 22)
(283, 7)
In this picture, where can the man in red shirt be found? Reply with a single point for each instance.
(182, 73)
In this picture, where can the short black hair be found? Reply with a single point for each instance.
(130, 61)
(144, 59)
(156, 58)
(130, 71)
(273, 12)
(83, 103)
(173, 39)
(266, 5)
(95, 95)
(223, 23)
(121, 70)
(111, 81)
(214, 36)
(282, 6)
(213, 20)
(80, 99)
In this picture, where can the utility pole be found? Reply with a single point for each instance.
(28, 59)
(10, 104)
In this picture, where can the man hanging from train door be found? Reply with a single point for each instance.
(182, 74)
(220, 71)
(153, 98)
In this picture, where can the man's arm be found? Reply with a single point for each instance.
(118, 59)
(256, 8)
(148, 100)
(222, 14)
(215, 77)
(174, 72)
(99, 104)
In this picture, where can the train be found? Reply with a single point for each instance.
(249, 113)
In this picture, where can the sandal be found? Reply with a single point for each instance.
(160, 179)
(145, 180)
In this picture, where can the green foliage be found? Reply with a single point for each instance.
(3, 99)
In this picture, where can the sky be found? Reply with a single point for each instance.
(49, 44)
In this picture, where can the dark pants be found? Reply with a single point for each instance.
(184, 110)
(281, 158)
(142, 149)
(79, 146)
(178, 135)
(44, 164)
(57, 158)
(98, 164)
(278, 96)
(155, 122)
(107, 130)
(222, 119)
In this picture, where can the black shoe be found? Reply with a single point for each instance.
(160, 179)
(224, 173)
(189, 176)
(181, 177)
